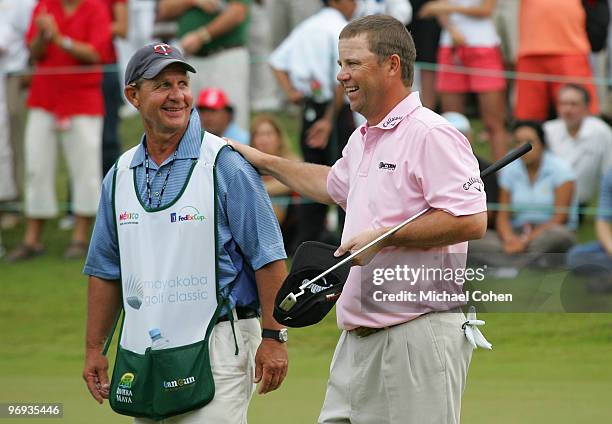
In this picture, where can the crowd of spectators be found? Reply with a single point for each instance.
(524, 65)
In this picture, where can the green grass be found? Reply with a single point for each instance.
(545, 368)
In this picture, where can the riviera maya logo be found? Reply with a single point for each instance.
(124, 389)
(187, 214)
(126, 380)
(134, 292)
(128, 218)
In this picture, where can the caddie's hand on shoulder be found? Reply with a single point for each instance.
(95, 374)
(360, 241)
(271, 365)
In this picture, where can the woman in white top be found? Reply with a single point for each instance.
(469, 40)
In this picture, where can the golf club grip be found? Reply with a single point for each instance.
(510, 157)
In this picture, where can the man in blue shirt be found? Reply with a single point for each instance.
(594, 260)
(250, 253)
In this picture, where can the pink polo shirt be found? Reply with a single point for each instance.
(411, 160)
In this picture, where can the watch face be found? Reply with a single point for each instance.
(283, 335)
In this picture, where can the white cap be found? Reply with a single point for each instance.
(459, 121)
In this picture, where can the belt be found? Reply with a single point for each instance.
(241, 312)
(366, 331)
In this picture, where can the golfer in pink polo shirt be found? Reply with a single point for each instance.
(405, 364)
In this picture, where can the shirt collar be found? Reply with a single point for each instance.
(585, 129)
(397, 114)
(188, 147)
(543, 170)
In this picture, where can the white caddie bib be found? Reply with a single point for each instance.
(169, 282)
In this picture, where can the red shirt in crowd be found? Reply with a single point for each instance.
(61, 84)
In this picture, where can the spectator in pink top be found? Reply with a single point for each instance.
(404, 159)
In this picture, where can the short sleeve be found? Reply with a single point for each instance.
(448, 173)
(250, 216)
(280, 58)
(103, 256)
(32, 30)
(563, 172)
(505, 176)
(607, 159)
(605, 198)
(338, 181)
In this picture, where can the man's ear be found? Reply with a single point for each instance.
(394, 65)
(131, 93)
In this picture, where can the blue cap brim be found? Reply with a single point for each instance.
(155, 69)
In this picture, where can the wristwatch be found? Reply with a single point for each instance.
(281, 335)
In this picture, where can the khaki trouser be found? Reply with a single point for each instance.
(413, 373)
(15, 104)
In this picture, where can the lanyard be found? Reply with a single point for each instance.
(161, 193)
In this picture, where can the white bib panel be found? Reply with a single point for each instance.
(168, 255)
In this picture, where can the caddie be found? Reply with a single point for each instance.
(187, 247)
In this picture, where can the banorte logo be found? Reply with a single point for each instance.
(187, 214)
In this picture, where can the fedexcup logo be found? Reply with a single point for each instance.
(134, 292)
(187, 214)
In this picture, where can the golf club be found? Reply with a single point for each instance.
(291, 299)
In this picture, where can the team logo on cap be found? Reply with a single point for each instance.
(162, 49)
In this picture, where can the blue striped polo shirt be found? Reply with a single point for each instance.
(249, 236)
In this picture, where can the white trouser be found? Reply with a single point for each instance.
(8, 190)
(141, 17)
(413, 373)
(229, 71)
(81, 141)
(264, 92)
(233, 375)
(287, 14)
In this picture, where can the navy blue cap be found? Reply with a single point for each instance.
(150, 60)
